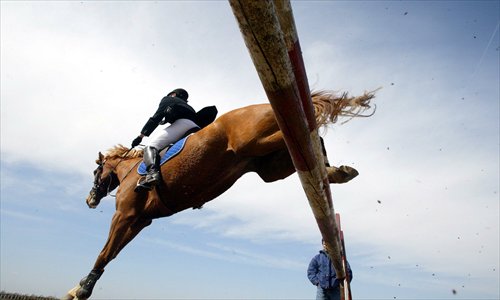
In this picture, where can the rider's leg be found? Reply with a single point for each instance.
(172, 133)
(152, 161)
(169, 135)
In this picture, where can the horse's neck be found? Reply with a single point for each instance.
(126, 167)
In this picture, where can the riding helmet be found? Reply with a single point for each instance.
(180, 93)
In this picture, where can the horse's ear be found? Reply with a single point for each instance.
(101, 157)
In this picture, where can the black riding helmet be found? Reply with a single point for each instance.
(180, 93)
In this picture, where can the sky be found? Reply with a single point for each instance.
(421, 221)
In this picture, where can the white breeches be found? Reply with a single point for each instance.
(172, 133)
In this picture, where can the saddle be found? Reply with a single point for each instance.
(166, 154)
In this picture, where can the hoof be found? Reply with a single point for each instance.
(341, 174)
(87, 285)
(83, 294)
(350, 172)
(71, 295)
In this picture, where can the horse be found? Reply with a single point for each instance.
(243, 140)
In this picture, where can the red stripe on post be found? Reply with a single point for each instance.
(299, 70)
(290, 118)
(287, 24)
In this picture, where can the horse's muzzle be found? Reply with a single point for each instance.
(91, 200)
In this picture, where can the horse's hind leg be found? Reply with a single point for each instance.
(274, 166)
(278, 165)
(341, 174)
(123, 229)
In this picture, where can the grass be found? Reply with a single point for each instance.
(15, 296)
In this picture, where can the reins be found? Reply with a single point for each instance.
(113, 169)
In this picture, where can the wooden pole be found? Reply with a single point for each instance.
(271, 38)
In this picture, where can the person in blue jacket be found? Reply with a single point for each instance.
(322, 274)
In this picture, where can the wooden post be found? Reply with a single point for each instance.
(346, 286)
(271, 38)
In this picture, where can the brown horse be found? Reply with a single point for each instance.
(243, 140)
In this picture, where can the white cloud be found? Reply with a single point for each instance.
(231, 254)
(75, 93)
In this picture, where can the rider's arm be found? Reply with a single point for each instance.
(155, 120)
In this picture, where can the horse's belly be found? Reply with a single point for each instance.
(194, 188)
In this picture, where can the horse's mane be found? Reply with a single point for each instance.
(329, 106)
(120, 151)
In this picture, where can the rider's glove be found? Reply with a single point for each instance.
(136, 141)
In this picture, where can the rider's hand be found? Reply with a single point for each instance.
(136, 141)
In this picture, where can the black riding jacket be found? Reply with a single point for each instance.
(169, 110)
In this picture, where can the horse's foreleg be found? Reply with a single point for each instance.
(123, 229)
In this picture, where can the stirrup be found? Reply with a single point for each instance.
(146, 183)
(152, 178)
(142, 185)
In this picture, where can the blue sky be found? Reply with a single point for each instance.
(79, 77)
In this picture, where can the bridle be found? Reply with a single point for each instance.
(98, 182)
(97, 179)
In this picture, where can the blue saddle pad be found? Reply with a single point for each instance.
(175, 149)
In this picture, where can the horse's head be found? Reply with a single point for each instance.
(105, 180)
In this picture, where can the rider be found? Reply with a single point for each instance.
(173, 109)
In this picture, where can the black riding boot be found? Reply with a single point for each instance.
(152, 162)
